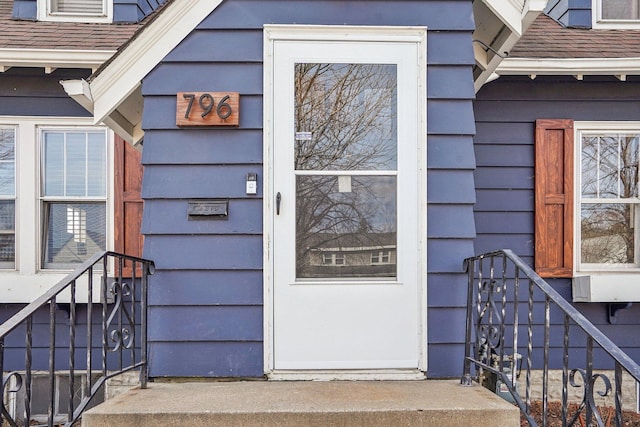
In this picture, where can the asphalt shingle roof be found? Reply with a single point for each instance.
(60, 35)
(546, 38)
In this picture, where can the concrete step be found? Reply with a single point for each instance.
(309, 403)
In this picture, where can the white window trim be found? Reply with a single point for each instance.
(45, 14)
(593, 284)
(28, 279)
(598, 23)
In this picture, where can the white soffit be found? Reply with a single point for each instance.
(120, 78)
(51, 59)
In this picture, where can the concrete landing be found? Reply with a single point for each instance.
(310, 403)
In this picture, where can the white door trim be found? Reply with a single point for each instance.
(273, 33)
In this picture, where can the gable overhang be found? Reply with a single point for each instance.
(499, 26)
(113, 95)
(576, 67)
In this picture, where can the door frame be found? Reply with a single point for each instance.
(276, 33)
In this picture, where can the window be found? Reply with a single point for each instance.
(74, 194)
(381, 257)
(594, 185)
(616, 13)
(608, 200)
(7, 196)
(75, 10)
(619, 9)
(67, 189)
(333, 259)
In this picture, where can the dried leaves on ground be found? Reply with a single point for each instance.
(554, 415)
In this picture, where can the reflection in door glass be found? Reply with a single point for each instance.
(345, 227)
(345, 116)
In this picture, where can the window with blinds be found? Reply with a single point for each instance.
(74, 193)
(78, 7)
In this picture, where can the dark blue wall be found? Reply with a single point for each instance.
(570, 13)
(506, 110)
(206, 314)
(31, 92)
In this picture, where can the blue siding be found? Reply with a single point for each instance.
(211, 270)
(570, 13)
(14, 357)
(217, 288)
(30, 93)
(446, 15)
(506, 110)
(207, 359)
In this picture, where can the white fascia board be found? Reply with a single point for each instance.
(570, 66)
(54, 58)
(125, 73)
(509, 12)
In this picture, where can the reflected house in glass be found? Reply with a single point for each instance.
(350, 256)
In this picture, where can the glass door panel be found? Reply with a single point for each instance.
(345, 122)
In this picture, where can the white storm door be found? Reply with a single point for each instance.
(347, 258)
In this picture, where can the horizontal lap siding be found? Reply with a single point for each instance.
(15, 341)
(32, 93)
(207, 293)
(506, 111)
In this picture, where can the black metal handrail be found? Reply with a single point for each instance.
(122, 325)
(493, 351)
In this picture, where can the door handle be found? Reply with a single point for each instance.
(278, 200)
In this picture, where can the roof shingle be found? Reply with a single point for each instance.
(60, 35)
(546, 38)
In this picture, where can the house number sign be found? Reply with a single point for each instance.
(208, 109)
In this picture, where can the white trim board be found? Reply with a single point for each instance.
(51, 59)
(569, 66)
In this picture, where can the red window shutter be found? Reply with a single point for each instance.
(554, 159)
(128, 201)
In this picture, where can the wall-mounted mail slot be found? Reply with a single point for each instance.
(208, 209)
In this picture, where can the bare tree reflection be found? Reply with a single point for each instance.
(609, 171)
(345, 121)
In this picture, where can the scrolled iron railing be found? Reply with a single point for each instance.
(502, 290)
(120, 318)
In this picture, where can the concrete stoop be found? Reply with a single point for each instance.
(310, 403)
